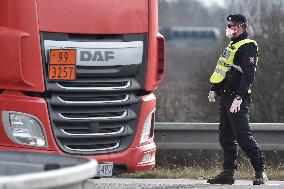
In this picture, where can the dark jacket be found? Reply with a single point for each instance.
(235, 81)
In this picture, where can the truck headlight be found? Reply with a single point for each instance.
(148, 128)
(23, 128)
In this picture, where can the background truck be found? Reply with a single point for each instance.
(77, 77)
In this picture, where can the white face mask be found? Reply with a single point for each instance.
(229, 32)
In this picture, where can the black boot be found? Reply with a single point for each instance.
(225, 177)
(260, 178)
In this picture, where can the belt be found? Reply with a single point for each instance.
(228, 92)
(232, 92)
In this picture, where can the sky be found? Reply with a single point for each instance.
(212, 2)
(209, 3)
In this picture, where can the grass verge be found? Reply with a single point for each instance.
(200, 173)
(204, 164)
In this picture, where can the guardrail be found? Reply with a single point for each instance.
(187, 136)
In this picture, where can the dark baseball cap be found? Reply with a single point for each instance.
(237, 18)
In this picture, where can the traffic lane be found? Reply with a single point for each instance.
(124, 183)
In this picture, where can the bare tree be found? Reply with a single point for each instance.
(183, 95)
(269, 98)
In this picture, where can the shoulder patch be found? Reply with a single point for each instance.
(251, 60)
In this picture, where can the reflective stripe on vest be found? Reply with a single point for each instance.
(226, 61)
(232, 65)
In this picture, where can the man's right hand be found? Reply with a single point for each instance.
(211, 96)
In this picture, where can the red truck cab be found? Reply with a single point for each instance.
(77, 77)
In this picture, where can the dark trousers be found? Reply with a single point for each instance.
(234, 130)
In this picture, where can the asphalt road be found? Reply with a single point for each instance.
(118, 183)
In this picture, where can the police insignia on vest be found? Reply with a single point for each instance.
(226, 54)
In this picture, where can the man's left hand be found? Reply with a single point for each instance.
(236, 105)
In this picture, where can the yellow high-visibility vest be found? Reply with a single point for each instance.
(226, 61)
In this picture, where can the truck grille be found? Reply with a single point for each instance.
(95, 115)
(95, 99)
(95, 85)
(85, 132)
(92, 148)
(88, 123)
(98, 112)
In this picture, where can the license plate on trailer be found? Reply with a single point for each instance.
(105, 169)
(62, 64)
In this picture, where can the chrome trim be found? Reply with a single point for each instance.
(93, 134)
(95, 118)
(124, 53)
(94, 102)
(93, 45)
(92, 150)
(96, 88)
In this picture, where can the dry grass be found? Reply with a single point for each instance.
(200, 173)
(204, 164)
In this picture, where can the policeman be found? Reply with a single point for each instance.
(231, 81)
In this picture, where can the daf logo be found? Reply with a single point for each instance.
(96, 56)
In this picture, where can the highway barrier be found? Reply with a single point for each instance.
(187, 136)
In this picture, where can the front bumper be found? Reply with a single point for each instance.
(131, 158)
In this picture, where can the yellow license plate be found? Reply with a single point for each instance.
(62, 64)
